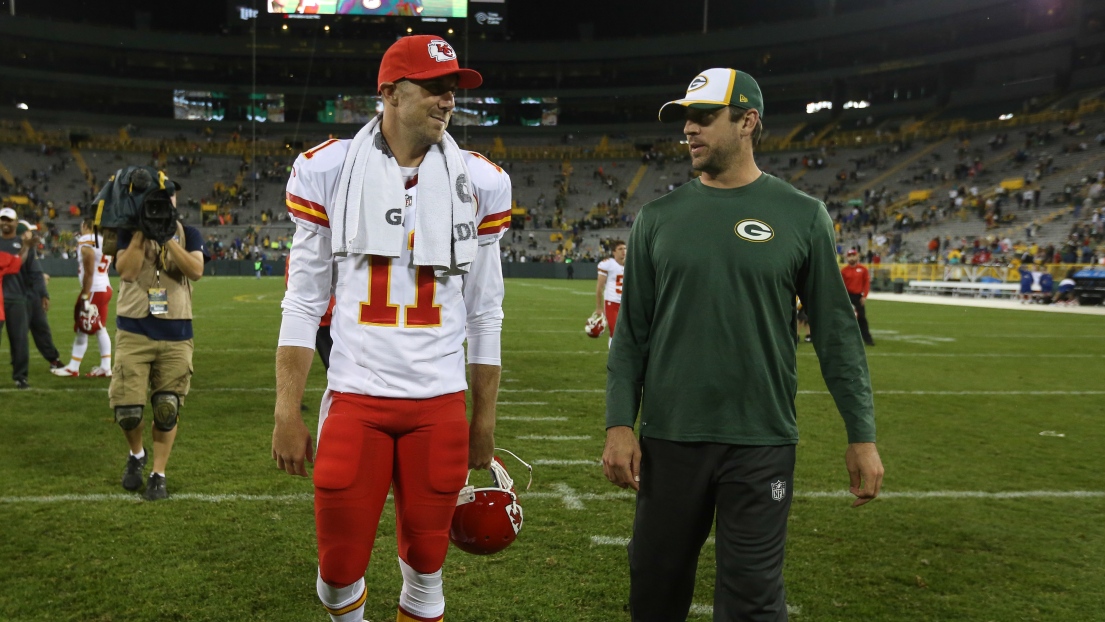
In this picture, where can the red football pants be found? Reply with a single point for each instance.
(612, 315)
(368, 444)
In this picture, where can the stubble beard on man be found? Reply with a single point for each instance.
(715, 162)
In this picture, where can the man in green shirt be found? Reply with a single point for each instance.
(705, 351)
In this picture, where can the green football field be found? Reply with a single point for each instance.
(991, 426)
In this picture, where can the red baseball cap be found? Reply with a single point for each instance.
(424, 57)
(851, 251)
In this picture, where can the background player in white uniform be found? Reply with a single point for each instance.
(608, 290)
(90, 312)
(394, 410)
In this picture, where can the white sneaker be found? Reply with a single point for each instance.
(99, 372)
(65, 372)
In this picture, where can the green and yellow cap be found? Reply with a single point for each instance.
(716, 88)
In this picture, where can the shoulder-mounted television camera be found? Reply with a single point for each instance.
(135, 198)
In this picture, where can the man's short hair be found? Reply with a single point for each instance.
(614, 244)
(736, 114)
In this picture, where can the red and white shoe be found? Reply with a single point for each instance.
(65, 372)
(99, 372)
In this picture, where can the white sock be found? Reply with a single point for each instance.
(80, 345)
(139, 455)
(422, 595)
(105, 348)
(156, 473)
(344, 604)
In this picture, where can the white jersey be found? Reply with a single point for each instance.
(614, 272)
(100, 280)
(398, 331)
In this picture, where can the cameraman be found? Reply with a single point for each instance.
(153, 341)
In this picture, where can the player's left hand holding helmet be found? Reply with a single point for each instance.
(487, 520)
(595, 326)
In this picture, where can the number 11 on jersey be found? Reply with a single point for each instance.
(378, 310)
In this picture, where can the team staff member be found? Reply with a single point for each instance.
(153, 344)
(90, 311)
(608, 288)
(394, 410)
(707, 332)
(16, 286)
(36, 283)
(9, 265)
(858, 283)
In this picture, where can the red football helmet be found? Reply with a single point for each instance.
(595, 326)
(487, 520)
(89, 318)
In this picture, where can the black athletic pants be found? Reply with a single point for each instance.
(861, 316)
(682, 484)
(16, 320)
(40, 329)
(324, 343)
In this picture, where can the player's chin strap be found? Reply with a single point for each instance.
(498, 471)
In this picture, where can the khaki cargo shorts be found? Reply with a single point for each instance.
(143, 366)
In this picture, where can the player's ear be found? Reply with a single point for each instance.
(389, 92)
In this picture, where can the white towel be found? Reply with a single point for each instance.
(368, 210)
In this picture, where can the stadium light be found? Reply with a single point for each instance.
(22, 106)
(818, 106)
(410, 30)
(1005, 117)
(284, 27)
(450, 31)
(326, 28)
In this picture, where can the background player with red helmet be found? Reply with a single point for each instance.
(608, 288)
(90, 312)
(394, 410)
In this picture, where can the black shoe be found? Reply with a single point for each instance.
(869, 342)
(56, 364)
(22, 384)
(155, 488)
(132, 474)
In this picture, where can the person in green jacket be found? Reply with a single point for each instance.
(705, 353)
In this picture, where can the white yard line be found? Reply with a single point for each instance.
(986, 303)
(538, 437)
(592, 463)
(708, 610)
(195, 389)
(571, 498)
(498, 418)
(522, 404)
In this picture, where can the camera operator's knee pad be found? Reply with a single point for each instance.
(166, 408)
(128, 417)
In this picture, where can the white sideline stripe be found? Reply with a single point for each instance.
(708, 610)
(803, 353)
(538, 437)
(594, 463)
(571, 498)
(523, 403)
(609, 541)
(531, 418)
(103, 389)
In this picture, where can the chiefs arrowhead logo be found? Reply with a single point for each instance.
(441, 51)
(514, 513)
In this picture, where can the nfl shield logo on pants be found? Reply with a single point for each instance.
(778, 490)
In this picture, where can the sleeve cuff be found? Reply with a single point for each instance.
(298, 331)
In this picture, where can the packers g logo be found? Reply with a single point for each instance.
(698, 82)
(753, 230)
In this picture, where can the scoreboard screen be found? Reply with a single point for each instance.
(406, 8)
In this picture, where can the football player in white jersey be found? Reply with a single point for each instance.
(90, 312)
(608, 290)
(394, 410)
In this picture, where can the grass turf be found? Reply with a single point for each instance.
(962, 396)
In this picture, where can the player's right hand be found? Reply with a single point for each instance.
(621, 458)
(292, 448)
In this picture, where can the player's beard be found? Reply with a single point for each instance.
(718, 159)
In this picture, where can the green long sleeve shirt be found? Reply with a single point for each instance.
(706, 342)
